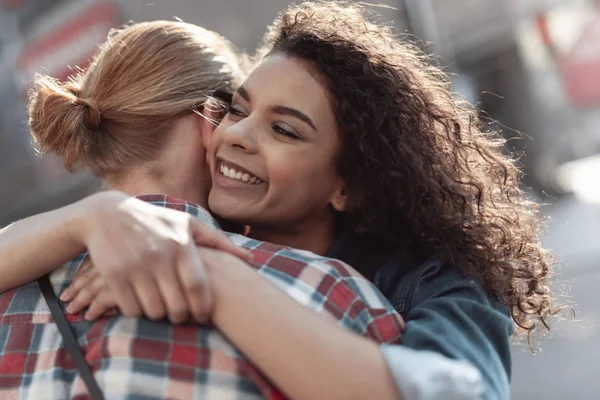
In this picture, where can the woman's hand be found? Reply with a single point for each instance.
(146, 255)
(89, 290)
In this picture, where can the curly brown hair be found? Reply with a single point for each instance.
(422, 173)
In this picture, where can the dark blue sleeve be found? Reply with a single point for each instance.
(450, 314)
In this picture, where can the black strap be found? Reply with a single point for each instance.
(69, 338)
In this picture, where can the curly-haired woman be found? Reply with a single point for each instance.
(348, 142)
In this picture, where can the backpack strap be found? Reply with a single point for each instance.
(69, 339)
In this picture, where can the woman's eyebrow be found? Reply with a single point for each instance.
(243, 92)
(282, 110)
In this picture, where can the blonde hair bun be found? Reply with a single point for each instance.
(60, 122)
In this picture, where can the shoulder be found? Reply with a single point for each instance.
(327, 286)
(446, 313)
(25, 304)
(443, 297)
(450, 313)
(410, 284)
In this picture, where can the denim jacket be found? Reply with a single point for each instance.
(457, 339)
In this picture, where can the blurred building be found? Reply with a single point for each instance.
(494, 49)
(36, 36)
(531, 65)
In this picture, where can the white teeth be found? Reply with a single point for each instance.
(242, 176)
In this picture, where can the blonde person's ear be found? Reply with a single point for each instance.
(209, 122)
(214, 110)
(208, 128)
(217, 105)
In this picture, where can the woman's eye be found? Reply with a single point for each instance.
(285, 131)
(236, 109)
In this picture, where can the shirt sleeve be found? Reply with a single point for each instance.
(425, 375)
(457, 342)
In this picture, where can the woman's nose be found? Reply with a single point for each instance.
(240, 135)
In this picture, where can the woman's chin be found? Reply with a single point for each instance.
(231, 211)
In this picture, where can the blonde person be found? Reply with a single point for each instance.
(136, 118)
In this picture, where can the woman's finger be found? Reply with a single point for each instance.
(148, 295)
(205, 235)
(125, 297)
(102, 305)
(196, 285)
(85, 274)
(86, 295)
(172, 294)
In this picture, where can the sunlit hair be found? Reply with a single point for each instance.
(422, 173)
(117, 112)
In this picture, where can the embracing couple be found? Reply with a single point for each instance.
(378, 244)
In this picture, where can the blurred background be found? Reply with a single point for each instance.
(531, 65)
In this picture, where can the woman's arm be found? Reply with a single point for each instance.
(146, 253)
(306, 355)
(37, 245)
(451, 315)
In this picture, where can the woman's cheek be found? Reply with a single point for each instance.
(288, 174)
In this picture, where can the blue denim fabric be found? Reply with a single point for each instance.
(445, 311)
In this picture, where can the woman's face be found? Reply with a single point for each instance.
(273, 157)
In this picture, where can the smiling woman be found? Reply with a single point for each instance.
(282, 130)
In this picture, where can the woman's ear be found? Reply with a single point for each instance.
(339, 201)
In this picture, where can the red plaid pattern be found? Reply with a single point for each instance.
(143, 359)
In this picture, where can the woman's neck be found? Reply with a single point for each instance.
(318, 239)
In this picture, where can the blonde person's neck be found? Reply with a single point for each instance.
(140, 182)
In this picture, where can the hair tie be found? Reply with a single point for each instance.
(94, 111)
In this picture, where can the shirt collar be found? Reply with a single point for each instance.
(173, 203)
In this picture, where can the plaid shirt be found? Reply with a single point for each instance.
(143, 359)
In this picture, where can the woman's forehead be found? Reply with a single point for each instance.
(286, 81)
(285, 74)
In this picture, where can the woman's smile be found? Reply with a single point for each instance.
(232, 175)
(236, 171)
